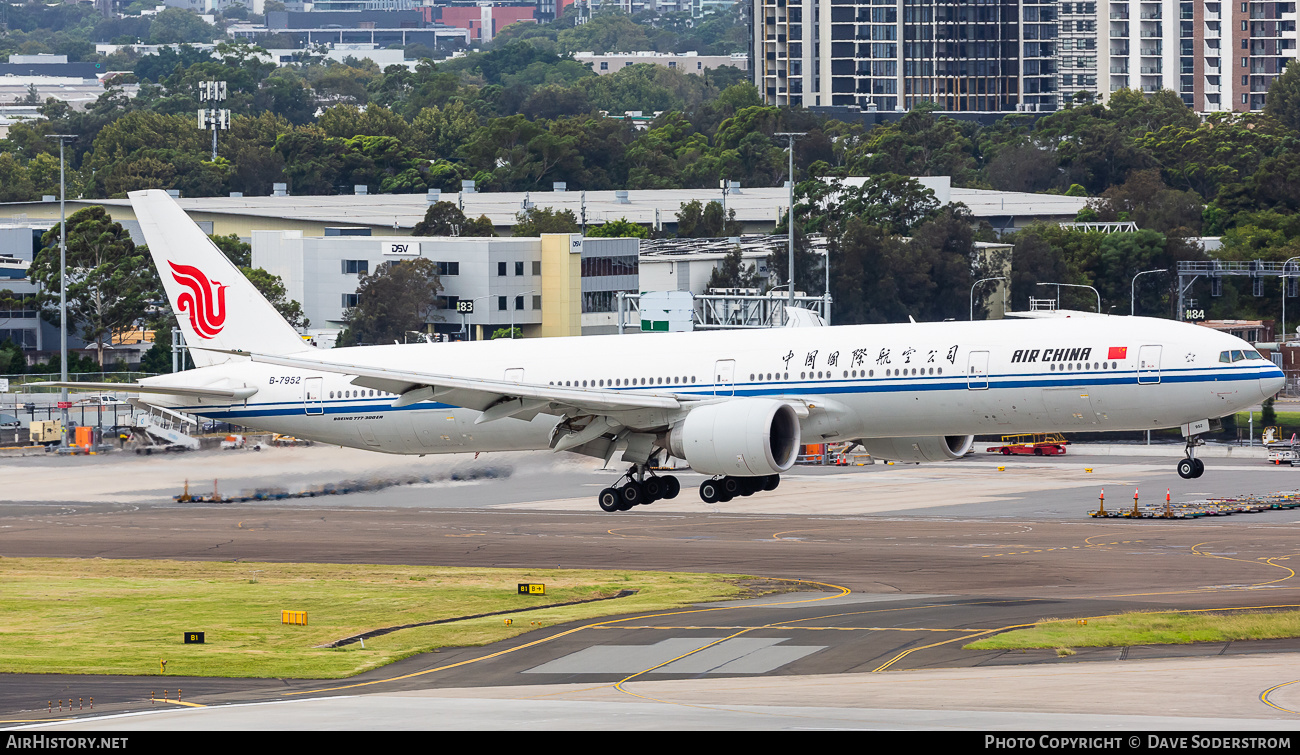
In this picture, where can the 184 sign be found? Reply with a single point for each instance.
(1193, 315)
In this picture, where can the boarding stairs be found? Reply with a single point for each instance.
(167, 427)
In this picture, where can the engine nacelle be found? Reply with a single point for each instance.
(745, 437)
(931, 448)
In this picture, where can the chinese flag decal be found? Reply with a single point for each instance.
(1118, 352)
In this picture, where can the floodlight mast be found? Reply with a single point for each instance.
(789, 218)
(63, 289)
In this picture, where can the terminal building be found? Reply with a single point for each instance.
(555, 285)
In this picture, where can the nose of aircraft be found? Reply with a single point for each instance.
(1271, 382)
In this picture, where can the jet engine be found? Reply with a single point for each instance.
(932, 448)
(744, 437)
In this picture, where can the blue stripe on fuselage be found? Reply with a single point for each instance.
(800, 387)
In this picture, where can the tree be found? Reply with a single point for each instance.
(175, 25)
(1283, 100)
(110, 280)
(272, 287)
(235, 249)
(446, 219)
(616, 229)
(733, 272)
(396, 298)
(538, 220)
(704, 221)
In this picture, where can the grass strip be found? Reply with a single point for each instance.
(1147, 629)
(101, 616)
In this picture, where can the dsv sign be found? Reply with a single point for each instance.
(401, 248)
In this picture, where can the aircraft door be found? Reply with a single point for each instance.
(977, 371)
(313, 389)
(515, 374)
(724, 377)
(1149, 365)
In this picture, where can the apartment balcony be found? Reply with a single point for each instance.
(1148, 16)
(1119, 69)
(1151, 34)
(1151, 69)
(1119, 16)
(1119, 34)
(1150, 52)
(1151, 88)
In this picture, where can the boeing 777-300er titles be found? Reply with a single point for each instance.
(735, 405)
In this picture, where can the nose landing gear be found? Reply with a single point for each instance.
(638, 489)
(1191, 467)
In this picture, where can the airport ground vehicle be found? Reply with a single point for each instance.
(1280, 450)
(1037, 444)
(47, 432)
(9, 422)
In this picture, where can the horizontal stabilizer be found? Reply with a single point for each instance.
(239, 394)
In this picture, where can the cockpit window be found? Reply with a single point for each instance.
(1253, 355)
(1237, 356)
(1225, 356)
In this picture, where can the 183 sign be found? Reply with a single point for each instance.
(465, 306)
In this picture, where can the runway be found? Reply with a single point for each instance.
(912, 562)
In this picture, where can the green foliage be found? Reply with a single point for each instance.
(506, 333)
(446, 219)
(110, 281)
(733, 272)
(394, 299)
(617, 229)
(272, 287)
(538, 220)
(235, 249)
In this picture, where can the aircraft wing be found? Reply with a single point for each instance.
(238, 394)
(495, 398)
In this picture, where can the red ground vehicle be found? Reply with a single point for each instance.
(1040, 444)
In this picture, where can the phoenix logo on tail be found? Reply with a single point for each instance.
(204, 302)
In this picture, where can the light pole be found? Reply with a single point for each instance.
(789, 218)
(466, 312)
(63, 289)
(826, 294)
(1133, 291)
(972, 292)
(512, 313)
(1073, 285)
(1285, 278)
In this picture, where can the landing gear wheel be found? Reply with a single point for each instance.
(1200, 467)
(1187, 469)
(632, 493)
(771, 482)
(731, 486)
(654, 489)
(610, 499)
(710, 491)
(750, 485)
(671, 487)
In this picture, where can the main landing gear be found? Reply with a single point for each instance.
(638, 488)
(1191, 467)
(727, 487)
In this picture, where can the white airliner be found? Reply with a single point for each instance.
(735, 405)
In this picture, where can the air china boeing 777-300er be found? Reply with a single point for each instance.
(735, 405)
